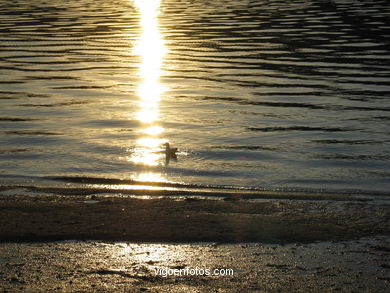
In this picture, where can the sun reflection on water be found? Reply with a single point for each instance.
(150, 47)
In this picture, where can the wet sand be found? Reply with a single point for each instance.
(50, 218)
(301, 245)
(347, 266)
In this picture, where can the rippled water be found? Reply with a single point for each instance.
(271, 94)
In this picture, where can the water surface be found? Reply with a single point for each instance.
(265, 94)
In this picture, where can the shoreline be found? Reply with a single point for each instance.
(137, 190)
(186, 220)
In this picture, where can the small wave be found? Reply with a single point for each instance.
(15, 119)
(299, 128)
(348, 142)
(31, 132)
(188, 191)
(244, 147)
(55, 104)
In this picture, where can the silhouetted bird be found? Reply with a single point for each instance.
(170, 153)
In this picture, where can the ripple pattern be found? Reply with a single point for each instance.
(274, 94)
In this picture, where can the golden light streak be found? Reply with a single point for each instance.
(153, 130)
(150, 47)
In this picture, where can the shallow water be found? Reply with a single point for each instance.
(269, 94)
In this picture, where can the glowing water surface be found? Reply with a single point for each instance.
(266, 94)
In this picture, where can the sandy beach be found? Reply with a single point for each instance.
(118, 243)
(94, 266)
(102, 217)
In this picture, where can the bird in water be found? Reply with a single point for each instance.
(170, 153)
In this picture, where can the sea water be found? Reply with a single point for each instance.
(267, 94)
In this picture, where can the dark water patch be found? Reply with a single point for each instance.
(32, 133)
(80, 87)
(7, 151)
(112, 123)
(300, 128)
(244, 147)
(71, 103)
(10, 82)
(355, 157)
(268, 104)
(15, 119)
(348, 142)
(384, 118)
(384, 109)
(91, 68)
(24, 94)
(383, 174)
(51, 77)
